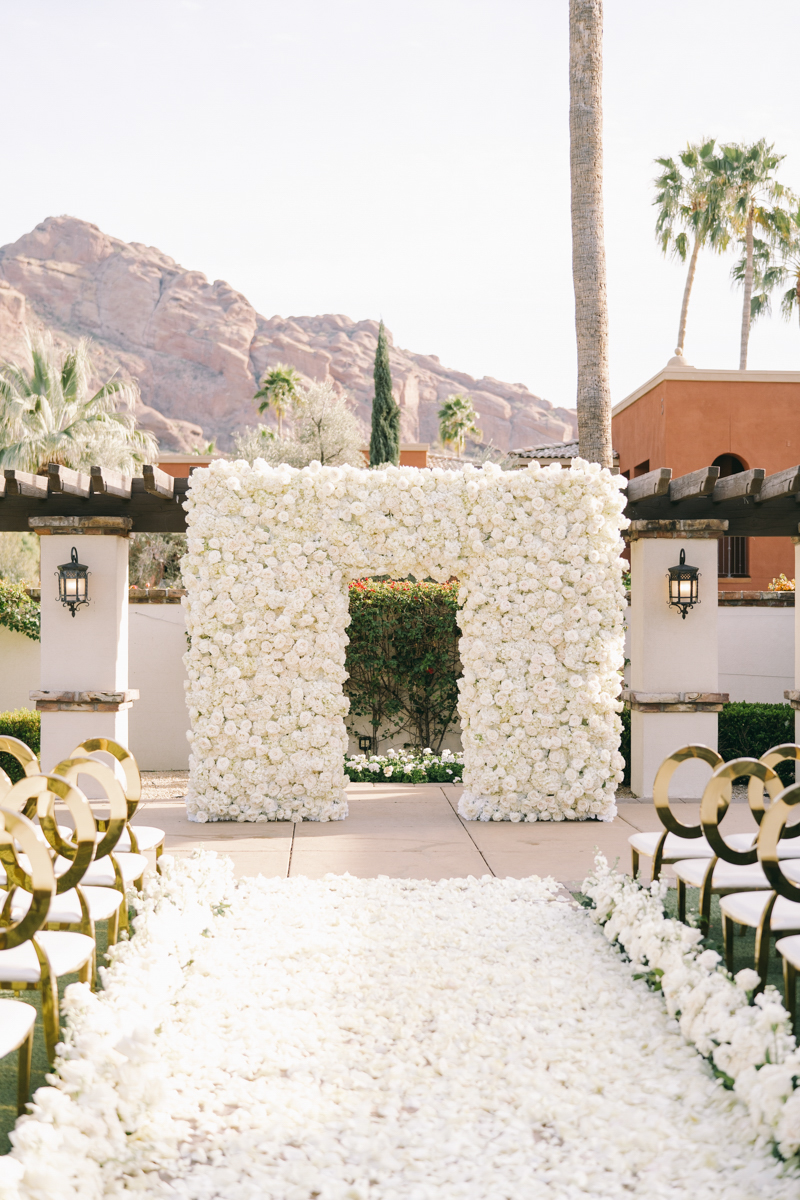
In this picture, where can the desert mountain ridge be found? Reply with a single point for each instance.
(198, 349)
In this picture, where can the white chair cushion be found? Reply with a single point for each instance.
(746, 908)
(66, 953)
(677, 847)
(100, 873)
(727, 876)
(674, 847)
(102, 902)
(790, 949)
(17, 1019)
(147, 838)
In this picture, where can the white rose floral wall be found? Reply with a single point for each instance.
(537, 555)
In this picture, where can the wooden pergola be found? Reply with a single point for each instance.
(753, 503)
(153, 503)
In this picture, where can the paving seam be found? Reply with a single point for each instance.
(469, 835)
(291, 851)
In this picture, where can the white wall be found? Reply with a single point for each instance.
(756, 653)
(158, 720)
(19, 669)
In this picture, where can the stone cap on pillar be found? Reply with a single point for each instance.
(705, 528)
(651, 702)
(794, 699)
(115, 526)
(59, 701)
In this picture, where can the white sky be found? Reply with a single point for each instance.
(407, 158)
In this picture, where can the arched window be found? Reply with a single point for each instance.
(729, 464)
(733, 558)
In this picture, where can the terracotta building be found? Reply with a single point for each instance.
(685, 418)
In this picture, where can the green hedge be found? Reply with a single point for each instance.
(745, 731)
(17, 611)
(402, 660)
(25, 725)
(748, 731)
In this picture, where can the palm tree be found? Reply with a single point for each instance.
(770, 267)
(790, 300)
(278, 390)
(745, 184)
(588, 248)
(457, 418)
(687, 215)
(51, 415)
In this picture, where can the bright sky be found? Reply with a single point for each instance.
(407, 159)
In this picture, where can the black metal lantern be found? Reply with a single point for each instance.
(364, 744)
(684, 589)
(73, 583)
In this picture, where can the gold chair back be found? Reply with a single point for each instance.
(787, 752)
(24, 756)
(130, 768)
(114, 827)
(661, 787)
(42, 791)
(772, 830)
(15, 828)
(717, 797)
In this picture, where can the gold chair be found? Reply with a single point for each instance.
(17, 1019)
(110, 869)
(739, 870)
(776, 910)
(135, 839)
(676, 841)
(24, 756)
(31, 958)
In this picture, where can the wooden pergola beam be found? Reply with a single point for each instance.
(68, 482)
(111, 483)
(746, 483)
(654, 483)
(784, 483)
(22, 483)
(696, 483)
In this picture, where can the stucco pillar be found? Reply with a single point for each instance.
(674, 694)
(84, 659)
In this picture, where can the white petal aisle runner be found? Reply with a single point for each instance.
(355, 1039)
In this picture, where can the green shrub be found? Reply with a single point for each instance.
(749, 730)
(17, 611)
(625, 745)
(25, 725)
(402, 660)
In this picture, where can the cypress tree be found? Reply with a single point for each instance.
(384, 442)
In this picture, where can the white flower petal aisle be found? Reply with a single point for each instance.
(354, 1039)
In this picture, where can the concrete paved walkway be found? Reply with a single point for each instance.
(406, 831)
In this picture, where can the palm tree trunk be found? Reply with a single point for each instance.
(687, 291)
(588, 248)
(748, 292)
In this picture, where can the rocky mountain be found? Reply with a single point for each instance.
(198, 349)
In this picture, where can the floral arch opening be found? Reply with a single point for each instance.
(271, 551)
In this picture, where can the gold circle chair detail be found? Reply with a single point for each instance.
(738, 870)
(39, 793)
(24, 756)
(675, 840)
(37, 964)
(17, 1019)
(136, 838)
(779, 910)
